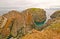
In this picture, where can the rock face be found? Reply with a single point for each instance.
(35, 17)
(38, 14)
(50, 21)
(4, 27)
(17, 21)
(55, 14)
(51, 32)
(29, 24)
(3, 21)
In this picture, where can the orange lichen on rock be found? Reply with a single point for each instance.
(28, 18)
(47, 34)
(33, 35)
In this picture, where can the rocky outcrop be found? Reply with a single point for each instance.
(5, 27)
(35, 17)
(29, 24)
(55, 14)
(50, 32)
(17, 21)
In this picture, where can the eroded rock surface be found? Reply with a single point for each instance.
(50, 32)
(55, 14)
(35, 17)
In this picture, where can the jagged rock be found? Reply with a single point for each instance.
(28, 22)
(55, 14)
(53, 30)
(38, 14)
(55, 26)
(35, 17)
(19, 27)
(3, 21)
(50, 32)
(5, 27)
(17, 23)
